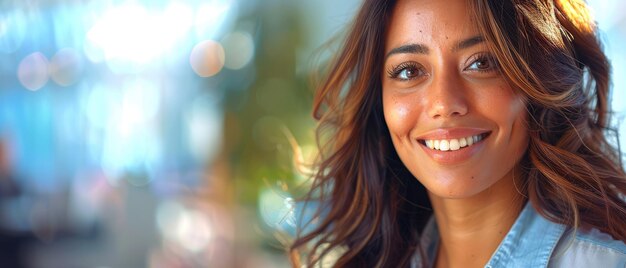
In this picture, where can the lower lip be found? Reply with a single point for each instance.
(454, 157)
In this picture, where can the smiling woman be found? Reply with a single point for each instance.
(467, 134)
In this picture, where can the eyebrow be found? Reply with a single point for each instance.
(423, 49)
(472, 41)
(410, 48)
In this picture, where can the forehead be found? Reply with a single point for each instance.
(430, 22)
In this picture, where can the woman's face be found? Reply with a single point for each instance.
(453, 119)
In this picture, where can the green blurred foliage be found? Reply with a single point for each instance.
(279, 99)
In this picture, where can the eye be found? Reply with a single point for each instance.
(406, 71)
(483, 63)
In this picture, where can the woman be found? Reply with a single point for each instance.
(467, 134)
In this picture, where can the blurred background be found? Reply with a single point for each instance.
(168, 133)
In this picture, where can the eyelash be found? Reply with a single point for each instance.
(395, 71)
(495, 65)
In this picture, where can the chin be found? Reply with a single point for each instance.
(455, 191)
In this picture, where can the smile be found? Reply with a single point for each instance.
(453, 144)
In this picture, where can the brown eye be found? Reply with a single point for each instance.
(406, 71)
(483, 63)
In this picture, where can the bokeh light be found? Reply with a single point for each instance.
(128, 37)
(33, 71)
(187, 227)
(239, 49)
(277, 209)
(207, 58)
(66, 67)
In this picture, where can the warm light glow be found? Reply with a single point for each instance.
(577, 12)
(207, 58)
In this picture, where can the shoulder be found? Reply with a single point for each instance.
(588, 248)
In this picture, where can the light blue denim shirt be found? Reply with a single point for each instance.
(534, 241)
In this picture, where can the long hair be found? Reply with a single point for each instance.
(372, 210)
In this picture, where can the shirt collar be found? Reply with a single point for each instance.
(529, 243)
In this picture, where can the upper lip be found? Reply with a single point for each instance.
(452, 133)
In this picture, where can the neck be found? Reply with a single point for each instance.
(471, 229)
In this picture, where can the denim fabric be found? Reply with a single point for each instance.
(533, 241)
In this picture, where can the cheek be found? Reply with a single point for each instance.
(517, 116)
(520, 126)
(503, 105)
(509, 112)
(399, 114)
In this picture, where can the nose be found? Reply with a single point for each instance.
(446, 97)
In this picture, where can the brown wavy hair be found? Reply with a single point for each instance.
(371, 210)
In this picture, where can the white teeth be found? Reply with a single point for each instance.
(444, 145)
(430, 144)
(462, 142)
(452, 144)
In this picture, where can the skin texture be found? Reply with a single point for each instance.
(449, 85)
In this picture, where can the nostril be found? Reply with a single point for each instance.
(451, 104)
(448, 111)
